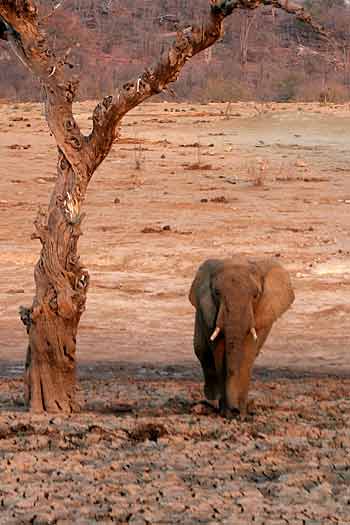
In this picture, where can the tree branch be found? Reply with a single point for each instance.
(19, 25)
(108, 113)
(299, 12)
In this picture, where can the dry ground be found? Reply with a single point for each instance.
(185, 183)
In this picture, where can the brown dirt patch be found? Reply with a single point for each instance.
(144, 449)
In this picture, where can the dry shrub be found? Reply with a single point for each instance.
(198, 166)
(286, 88)
(148, 431)
(224, 90)
(312, 90)
(258, 172)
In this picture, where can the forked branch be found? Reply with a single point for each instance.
(289, 7)
(19, 25)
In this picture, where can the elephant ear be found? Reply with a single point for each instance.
(201, 294)
(277, 296)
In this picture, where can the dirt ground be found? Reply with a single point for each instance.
(186, 182)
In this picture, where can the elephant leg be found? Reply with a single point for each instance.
(205, 355)
(220, 367)
(211, 386)
(238, 381)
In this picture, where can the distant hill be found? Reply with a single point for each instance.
(264, 55)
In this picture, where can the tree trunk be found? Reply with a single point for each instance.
(247, 21)
(50, 365)
(61, 287)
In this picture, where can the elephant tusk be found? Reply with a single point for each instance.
(215, 334)
(254, 334)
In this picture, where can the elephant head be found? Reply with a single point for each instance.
(237, 301)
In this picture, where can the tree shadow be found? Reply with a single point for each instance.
(190, 371)
(176, 387)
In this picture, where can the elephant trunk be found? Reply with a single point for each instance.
(234, 340)
(237, 327)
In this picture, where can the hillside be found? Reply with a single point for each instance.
(264, 54)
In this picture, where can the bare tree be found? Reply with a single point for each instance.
(246, 26)
(61, 280)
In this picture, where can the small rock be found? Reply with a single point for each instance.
(18, 119)
(19, 146)
(202, 409)
(222, 198)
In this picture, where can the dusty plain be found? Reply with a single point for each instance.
(185, 182)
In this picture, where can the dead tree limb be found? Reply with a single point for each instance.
(61, 281)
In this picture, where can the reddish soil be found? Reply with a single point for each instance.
(184, 184)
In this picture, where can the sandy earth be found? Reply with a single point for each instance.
(185, 183)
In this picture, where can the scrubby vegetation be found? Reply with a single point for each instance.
(264, 55)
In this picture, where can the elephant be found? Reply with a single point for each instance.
(237, 300)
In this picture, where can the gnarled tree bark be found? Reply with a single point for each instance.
(61, 281)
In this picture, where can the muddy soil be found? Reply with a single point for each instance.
(186, 182)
